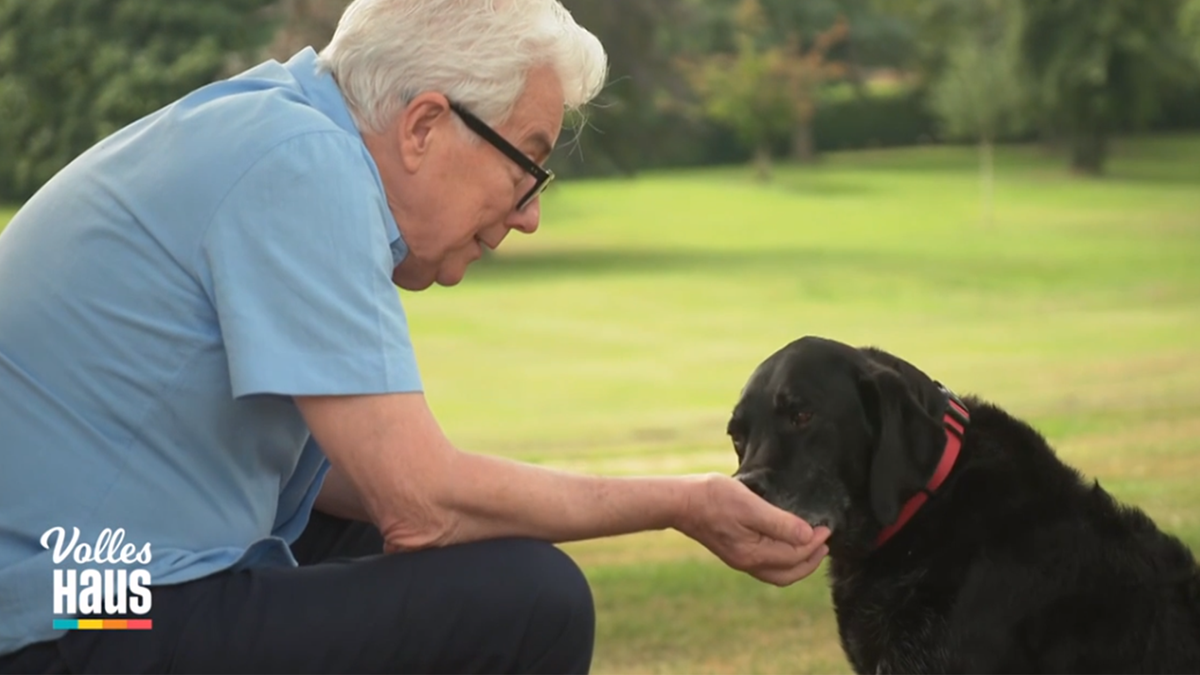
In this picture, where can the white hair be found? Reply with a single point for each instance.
(476, 52)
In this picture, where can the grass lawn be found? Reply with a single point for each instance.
(617, 338)
(616, 341)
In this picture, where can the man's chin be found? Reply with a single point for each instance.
(411, 285)
(411, 282)
(449, 273)
(454, 270)
(447, 278)
(411, 279)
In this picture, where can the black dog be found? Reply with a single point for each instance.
(960, 542)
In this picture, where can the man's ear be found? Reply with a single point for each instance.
(417, 124)
(908, 442)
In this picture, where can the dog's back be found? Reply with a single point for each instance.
(1019, 565)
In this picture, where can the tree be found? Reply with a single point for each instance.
(1189, 25)
(930, 26)
(628, 126)
(74, 71)
(303, 23)
(1100, 66)
(749, 89)
(979, 94)
(806, 70)
(877, 38)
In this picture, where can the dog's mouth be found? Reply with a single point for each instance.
(819, 520)
(824, 511)
(814, 517)
(820, 515)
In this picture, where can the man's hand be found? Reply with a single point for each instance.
(749, 534)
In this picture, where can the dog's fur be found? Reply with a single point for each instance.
(1016, 564)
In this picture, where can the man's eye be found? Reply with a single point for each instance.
(802, 418)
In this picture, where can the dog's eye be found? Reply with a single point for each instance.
(739, 444)
(737, 434)
(802, 418)
(736, 428)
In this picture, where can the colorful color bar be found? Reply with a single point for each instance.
(103, 624)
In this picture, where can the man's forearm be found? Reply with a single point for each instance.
(493, 497)
(394, 467)
(338, 497)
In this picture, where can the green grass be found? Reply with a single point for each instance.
(617, 338)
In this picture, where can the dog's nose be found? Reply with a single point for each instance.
(756, 481)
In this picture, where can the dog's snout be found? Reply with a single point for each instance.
(756, 481)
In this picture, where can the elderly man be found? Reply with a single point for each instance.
(207, 387)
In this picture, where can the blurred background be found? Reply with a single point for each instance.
(1004, 192)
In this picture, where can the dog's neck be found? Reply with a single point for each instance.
(955, 420)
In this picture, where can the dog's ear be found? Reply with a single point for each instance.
(908, 442)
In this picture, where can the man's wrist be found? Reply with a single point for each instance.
(685, 502)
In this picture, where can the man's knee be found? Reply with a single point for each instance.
(563, 616)
(566, 585)
(560, 586)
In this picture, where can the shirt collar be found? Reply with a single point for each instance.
(323, 93)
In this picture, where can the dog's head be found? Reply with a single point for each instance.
(839, 436)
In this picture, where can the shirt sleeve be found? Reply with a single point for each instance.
(299, 270)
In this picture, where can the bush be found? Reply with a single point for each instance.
(874, 121)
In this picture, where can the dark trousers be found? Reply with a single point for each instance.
(499, 606)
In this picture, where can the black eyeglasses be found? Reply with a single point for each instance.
(542, 177)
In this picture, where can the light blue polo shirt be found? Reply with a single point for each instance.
(161, 300)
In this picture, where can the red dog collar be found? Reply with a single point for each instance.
(955, 420)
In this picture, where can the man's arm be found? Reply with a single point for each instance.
(394, 466)
(338, 497)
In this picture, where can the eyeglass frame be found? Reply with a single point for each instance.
(542, 176)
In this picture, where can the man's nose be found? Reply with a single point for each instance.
(526, 220)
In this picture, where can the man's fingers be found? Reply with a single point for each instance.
(781, 556)
(777, 555)
(820, 536)
(787, 577)
(781, 525)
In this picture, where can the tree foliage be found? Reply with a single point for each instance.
(74, 71)
(1100, 66)
(766, 88)
(746, 89)
(1189, 26)
(979, 93)
(633, 123)
(875, 38)
(690, 82)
